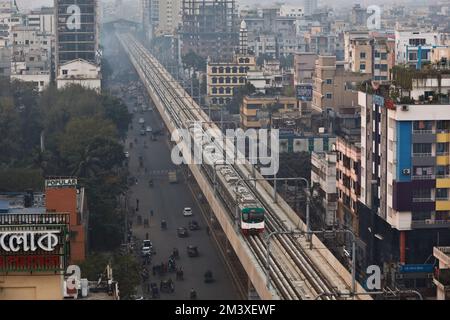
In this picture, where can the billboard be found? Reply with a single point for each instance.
(304, 92)
(34, 242)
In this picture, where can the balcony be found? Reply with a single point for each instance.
(423, 177)
(422, 155)
(422, 200)
(430, 224)
(424, 131)
(442, 153)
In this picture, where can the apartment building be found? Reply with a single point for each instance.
(348, 170)
(405, 166)
(65, 195)
(34, 269)
(413, 47)
(370, 54)
(334, 88)
(80, 72)
(442, 274)
(257, 111)
(304, 66)
(323, 175)
(223, 78)
(77, 37)
(209, 28)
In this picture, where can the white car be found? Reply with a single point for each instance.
(141, 121)
(127, 154)
(187, 212)
(146, 247)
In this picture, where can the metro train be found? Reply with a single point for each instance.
(234, 192)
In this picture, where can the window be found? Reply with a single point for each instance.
(421, 193)
(235, 69)
(441, 193)
(422, 148)
(362, 55)
(442, 171)
(227, 80)
(65, 72)
(384, 67)
(214, 90)
(241, 80)
(377, 54)
(443, 125)
(221, 70)
(422, 125)
(362, 66)
(214, 70)
(384, 56)
(423, 171)
(221, 90)
(228, 90)
(329, 95)
(329, 81)
(214, 80)
(442, 149)
(221, 80)
(235, 80)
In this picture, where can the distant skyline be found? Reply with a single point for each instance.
(28, 4)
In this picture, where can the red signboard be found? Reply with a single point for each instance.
(30, 262)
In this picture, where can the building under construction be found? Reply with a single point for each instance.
(210, 28)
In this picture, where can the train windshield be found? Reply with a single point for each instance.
(253, 216)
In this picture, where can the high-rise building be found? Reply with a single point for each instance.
(77, 32)
(309, 7)
(209, 28)
(405, 166)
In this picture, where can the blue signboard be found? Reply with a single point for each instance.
(304, 92)
(414, 268)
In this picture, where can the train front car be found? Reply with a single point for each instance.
(252, 221)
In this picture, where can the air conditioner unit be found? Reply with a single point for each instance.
(405, 108)
(406, 172)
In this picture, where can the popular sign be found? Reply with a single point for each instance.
(58, 183)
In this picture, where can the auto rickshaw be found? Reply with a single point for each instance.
(192, 251)
(167, 286)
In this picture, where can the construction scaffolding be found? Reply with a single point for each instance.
(209, 28)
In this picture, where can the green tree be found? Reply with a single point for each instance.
(193, 60)
(238, 96)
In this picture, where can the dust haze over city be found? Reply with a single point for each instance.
(224, 150)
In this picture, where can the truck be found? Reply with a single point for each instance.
(173, 176)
